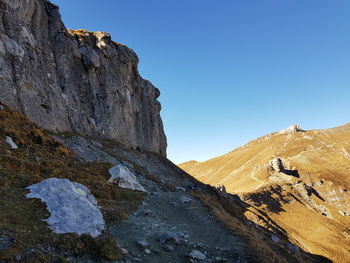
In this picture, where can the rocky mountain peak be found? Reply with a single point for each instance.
(292, 129)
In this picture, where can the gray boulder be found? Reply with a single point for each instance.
(124, 178)
(185, 200)
(171, 237)
(275, 239)
(195, 254)
(73, 208)
(142, 243)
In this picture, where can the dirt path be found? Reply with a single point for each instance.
(177, 214)
(261, 183)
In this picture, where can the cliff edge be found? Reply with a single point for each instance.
(78, 81)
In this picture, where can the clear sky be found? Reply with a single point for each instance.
(232, 70)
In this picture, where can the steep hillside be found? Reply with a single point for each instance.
(299, 178)
(177, 215)
(29, 155)
(78, 81)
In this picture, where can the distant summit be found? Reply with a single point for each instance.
(292, 129)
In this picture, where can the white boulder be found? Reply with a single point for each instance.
(73, 208)
(124, 178)
(11, 142)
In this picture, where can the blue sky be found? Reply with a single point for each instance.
(232, 70)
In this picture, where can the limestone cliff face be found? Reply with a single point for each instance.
(77, 81)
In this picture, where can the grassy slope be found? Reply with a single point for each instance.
(323, 162)
(39, 157)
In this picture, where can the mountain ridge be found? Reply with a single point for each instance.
(292, 175)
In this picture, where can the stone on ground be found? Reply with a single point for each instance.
(73, 208)
(195, 254)
(124, 178)
(11, 142)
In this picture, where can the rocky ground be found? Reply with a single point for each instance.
(170, 225)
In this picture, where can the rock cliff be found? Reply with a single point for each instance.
(76, 81)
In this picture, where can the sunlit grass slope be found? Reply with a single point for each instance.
(310, 200)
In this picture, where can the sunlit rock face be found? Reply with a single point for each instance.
(277, 164)
(77, 81)
(73, 208)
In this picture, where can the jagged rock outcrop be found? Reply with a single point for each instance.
(276, 164)
(77, 81)
(292, 129)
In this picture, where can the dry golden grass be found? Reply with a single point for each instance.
(311, 217)
(238, 216)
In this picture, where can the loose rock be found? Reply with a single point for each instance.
(142, 243)
(124, 251)
(170, 236)
(195, 254)
(185, 200)
(180, 188)
(169, 248)
(275, 239)
(11, 142)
